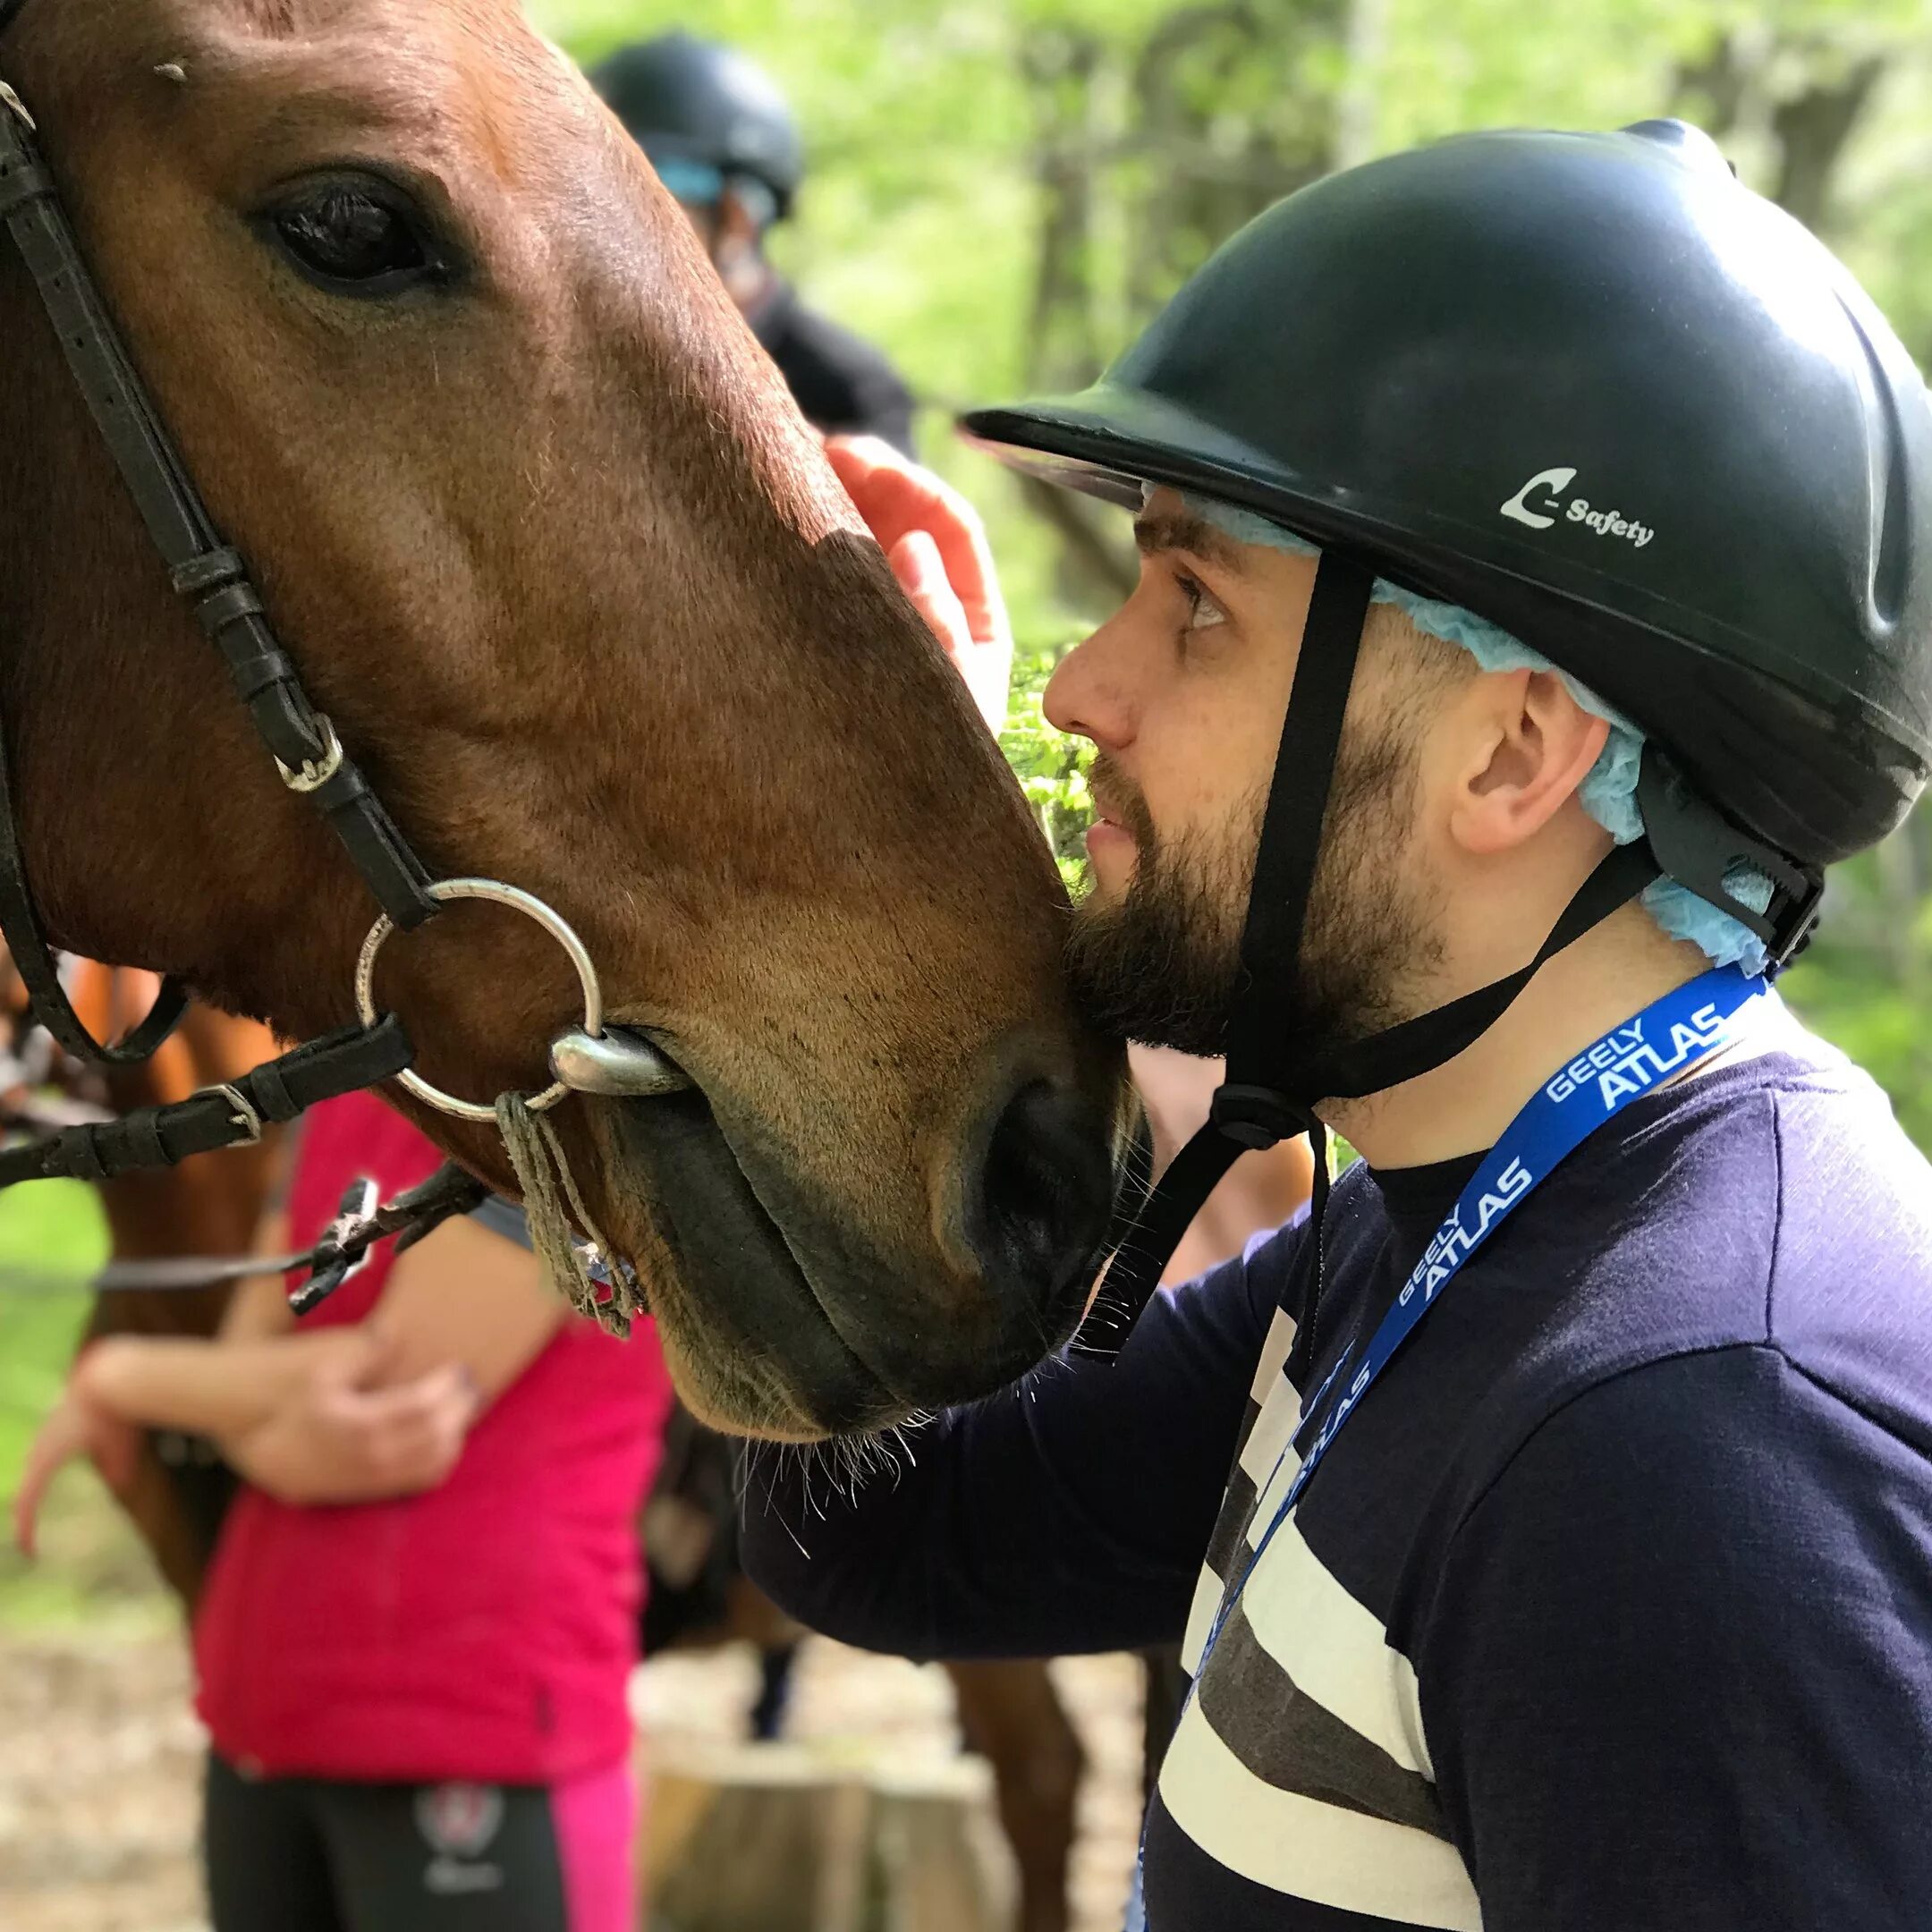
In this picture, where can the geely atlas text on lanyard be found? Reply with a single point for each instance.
(1663, 1040)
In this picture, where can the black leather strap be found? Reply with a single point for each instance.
(425, 1207)
(1260, 1101)
(201, 567)
(213, 577)
(343, 1062)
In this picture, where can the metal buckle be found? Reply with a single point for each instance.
(244, 1115)
(531, 908)
(12, 101)
(315, 773)
(330, 1265)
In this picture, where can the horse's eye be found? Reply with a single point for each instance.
(354, 240)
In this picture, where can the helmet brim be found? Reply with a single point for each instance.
(1114, 440)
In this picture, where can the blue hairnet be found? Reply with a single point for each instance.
(1608, 793)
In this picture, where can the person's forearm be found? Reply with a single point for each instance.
(209, 1388)
(305, 1476)
(1066, 1514)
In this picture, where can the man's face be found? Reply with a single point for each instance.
(1183, 693)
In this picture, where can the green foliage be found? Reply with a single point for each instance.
(1867, 982)
(48, 1232)
(1003, 191)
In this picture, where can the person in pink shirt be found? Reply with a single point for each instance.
(415, 1638)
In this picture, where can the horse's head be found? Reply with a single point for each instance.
(553, 549)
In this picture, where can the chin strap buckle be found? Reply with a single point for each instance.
(1701, 849)
(1255, 1117)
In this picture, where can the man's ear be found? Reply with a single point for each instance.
(1531, 745)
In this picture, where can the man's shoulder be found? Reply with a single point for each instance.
(1717, 1473)
(1776, 1207)
(1739, 1208)
(1849, 1294)
(1837, 1202)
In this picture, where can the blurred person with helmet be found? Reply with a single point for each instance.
(725, 143)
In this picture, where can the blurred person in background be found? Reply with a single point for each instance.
(414, 1641)
(725, 143)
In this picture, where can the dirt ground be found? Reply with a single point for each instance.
(100, 1760)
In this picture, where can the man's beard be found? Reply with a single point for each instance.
(1162, 963)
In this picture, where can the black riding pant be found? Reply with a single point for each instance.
(308, 1855)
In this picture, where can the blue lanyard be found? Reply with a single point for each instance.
(1673, 1033)
(1665, 1038)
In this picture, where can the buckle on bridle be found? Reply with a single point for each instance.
(1255, 1117)
(244, 1115)
(315, 773)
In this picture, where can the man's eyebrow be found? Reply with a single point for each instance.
(1182, 530)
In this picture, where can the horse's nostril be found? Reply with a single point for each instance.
(1037, 1212)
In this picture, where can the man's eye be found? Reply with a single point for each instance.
(1203, 611)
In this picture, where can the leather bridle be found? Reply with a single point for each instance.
(308, 755)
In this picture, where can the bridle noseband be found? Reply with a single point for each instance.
(308, 755)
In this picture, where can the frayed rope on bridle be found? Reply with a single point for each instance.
(551, 1198)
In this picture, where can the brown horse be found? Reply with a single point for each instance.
(556, 551)
(211, 1205)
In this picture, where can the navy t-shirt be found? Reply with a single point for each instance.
(1611, 1607)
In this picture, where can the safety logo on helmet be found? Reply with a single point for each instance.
(1543, 513)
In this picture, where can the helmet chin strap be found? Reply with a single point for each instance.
(1273, 1085)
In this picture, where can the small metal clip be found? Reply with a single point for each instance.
(315, 773)
(244, 1115)
(345, 1245)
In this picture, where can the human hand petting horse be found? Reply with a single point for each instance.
(555, 553)
(936, 546)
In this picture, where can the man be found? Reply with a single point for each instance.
(1574, 1572)
(723, 142)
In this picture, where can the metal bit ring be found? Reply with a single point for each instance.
(533, 908)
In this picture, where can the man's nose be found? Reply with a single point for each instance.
(1082, 698)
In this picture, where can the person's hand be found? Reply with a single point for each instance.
(937, 549)
(339, 1440)
(76, 1426)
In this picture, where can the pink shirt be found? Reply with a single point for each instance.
(483, 1631)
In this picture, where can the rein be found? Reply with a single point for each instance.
(212, 576)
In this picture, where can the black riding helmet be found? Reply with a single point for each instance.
(1452, 360)
(1591, 388)
(689, 100)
